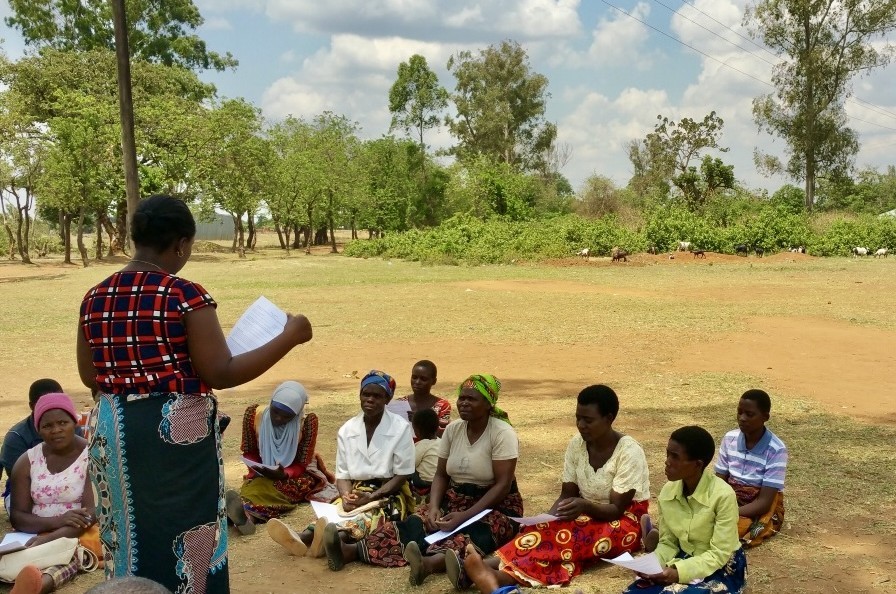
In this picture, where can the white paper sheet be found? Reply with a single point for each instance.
(260, 323)
(647, 564)
(253, 463)
(532, 520)
(15, 541)
(402, 408)
(328, 511)
(441, 534)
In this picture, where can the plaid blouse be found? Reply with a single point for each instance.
(133, 322)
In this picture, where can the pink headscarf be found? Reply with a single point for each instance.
(51, 401)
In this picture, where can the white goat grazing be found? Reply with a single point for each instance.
(859, 251)
(684, 246)
(584, 253)
(881, 252)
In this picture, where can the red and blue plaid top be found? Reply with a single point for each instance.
(133, 322)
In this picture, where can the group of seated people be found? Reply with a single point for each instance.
(401, 477)
(407, 480)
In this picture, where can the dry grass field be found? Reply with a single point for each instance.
(678, 339)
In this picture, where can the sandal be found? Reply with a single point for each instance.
(287, 538)
(333, 547)
(414, 558)
(316, 549)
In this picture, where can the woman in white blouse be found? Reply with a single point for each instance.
(475, 473)
(605, 491)
(374, 459)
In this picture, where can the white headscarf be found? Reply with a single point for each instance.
(278, 445)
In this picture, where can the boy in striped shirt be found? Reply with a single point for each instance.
(754, 461)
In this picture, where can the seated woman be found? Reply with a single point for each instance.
(605, 491)
(289, 471)
(754, 461)
(423, 378)
(698, 543)
(51, 495)
(475, 472)
(374, 459)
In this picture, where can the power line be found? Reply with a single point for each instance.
(877, 108)
(726, 65)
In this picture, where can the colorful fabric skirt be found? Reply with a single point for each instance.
(265, 499)
(753, 531)
(729, 579)
(155, 463)
(384, 545)
(552, 554)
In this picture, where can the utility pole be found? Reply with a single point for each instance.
(126, 108)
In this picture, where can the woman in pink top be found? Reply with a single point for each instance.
(51, 495)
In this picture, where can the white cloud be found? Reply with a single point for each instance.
(621, 40)
(217, 23)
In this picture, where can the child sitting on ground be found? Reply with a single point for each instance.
(426, 451)
(423, 378)
(753, 460)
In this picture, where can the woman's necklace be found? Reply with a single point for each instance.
(156, 266)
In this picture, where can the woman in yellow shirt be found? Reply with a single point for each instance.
(699, 545)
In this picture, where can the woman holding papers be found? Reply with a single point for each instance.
(151, 347)
(475, 480)
(51, 494)
(605, 491)
(699, 545)
(278, 447)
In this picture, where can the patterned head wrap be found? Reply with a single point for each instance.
(381, 379)
(489, 387)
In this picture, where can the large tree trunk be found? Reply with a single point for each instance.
(236, 231)
(121, 242)
(250, 240)
(283, 244)
(99, 236)
(11, 237)
(332, 223)
(82, 249)
(23, 225)
(297, 240)
(66, 227)
(110, 231)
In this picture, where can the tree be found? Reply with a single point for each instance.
(697, 187)
(664, 156)
(823, 45)
(388, 186)
(159, 30)
(485, 188)
(337, 159)
(500, 105)
(416, 99)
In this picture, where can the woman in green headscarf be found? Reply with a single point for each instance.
(476, 472)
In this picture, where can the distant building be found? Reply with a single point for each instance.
(219, 228)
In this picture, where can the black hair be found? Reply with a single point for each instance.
(426, 423)
(426, 363)
(160, 221)
(41, 387)
(697, 442)
(601, 396)
(761, 398)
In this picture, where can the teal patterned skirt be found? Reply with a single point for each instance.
(156, 467)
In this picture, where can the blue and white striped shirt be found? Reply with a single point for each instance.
(763, 466)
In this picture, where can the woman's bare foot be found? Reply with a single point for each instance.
(650, 536)
(485, 578)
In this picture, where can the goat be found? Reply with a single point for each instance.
(684, 246)
(759, 251)
(698, 253)
(741, 249)
(859, 251)
(798, 250)
(653, 250)
(584, 253)
(619, 254)
(881, 252)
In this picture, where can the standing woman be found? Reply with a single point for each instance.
(150, 345)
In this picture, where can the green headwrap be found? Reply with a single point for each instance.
(489, 387)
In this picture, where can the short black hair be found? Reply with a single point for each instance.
(160, 221)
(601, 396)
(425, 423)
(428, 365)
(41, 387)
(761, 398)
(697, 442)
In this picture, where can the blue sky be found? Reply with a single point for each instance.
(609, 74)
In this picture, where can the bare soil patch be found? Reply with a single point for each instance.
(678, 339)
